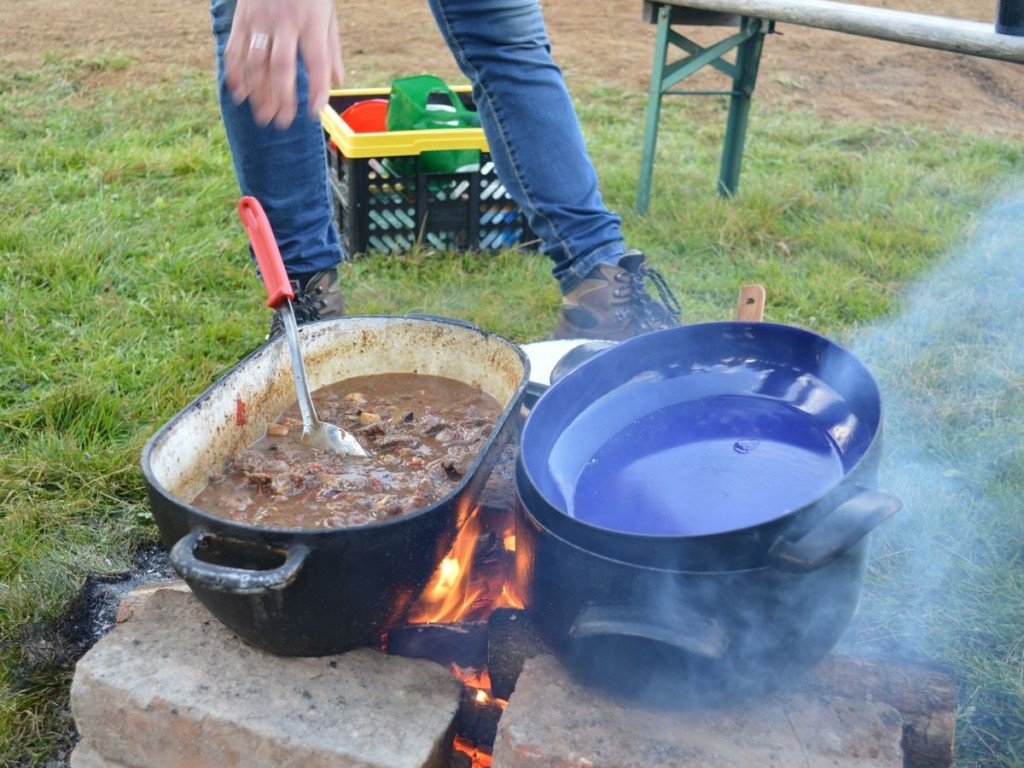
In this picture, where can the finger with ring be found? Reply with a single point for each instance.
(260, 41)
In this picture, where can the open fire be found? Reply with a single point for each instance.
(471, 580)
(469, 584)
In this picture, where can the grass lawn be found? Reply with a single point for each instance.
(125, 291)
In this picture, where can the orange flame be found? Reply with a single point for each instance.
(460, 592)
(480, 758)
(451, 594)
(507, 598)
(478, 683)
(467, 586)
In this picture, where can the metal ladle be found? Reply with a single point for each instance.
(316, 433)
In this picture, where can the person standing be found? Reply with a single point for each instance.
(278, 59)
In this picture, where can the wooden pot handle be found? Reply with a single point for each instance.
(750, 308)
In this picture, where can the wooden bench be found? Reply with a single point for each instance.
(676, 57)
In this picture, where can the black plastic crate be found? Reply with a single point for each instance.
(383, 202)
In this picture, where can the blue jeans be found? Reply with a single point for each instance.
(285, 170)
(527, 116)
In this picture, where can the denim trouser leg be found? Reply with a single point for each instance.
(532, 129)
(284, 170)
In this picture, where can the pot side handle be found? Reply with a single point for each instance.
(835, 533)
(684, 629)
(232, 579)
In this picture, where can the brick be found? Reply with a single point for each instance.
(552, 722)
(172, 687)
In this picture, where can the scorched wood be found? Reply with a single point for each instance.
(464, 644)
(513, 639)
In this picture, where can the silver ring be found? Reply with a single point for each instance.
(260, 41)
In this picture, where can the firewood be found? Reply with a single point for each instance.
(463, 643)
(478, 719)
(513, 639)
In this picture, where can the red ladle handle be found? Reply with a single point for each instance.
(268, 255)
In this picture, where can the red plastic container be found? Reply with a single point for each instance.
(368, 116)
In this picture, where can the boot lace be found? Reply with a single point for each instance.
(305, 305)
(651, 314)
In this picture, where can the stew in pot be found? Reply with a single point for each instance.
(422, 432)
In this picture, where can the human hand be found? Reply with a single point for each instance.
(260, 59)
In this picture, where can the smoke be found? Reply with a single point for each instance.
(943, 577)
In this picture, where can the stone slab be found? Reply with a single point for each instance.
(552, 722)
(139, 596)
(84, 756)
(172, 687)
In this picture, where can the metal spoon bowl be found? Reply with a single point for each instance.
(315, 433)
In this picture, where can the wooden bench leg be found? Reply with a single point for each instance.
(748, 58)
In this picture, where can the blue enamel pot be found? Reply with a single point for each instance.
(704, 492)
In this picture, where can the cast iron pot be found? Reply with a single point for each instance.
(317, 592)
(696, 505)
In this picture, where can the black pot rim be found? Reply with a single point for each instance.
(215, 523)
(773, 525)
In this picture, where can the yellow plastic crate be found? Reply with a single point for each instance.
(393, 143)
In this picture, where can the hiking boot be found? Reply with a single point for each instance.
(317, 298)
(612, 303)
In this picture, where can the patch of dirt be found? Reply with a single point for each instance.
(840, 76)
(49, 649)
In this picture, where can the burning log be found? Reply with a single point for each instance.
(460, 759)
(478, 718)
(471, 579)
(465, 755)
